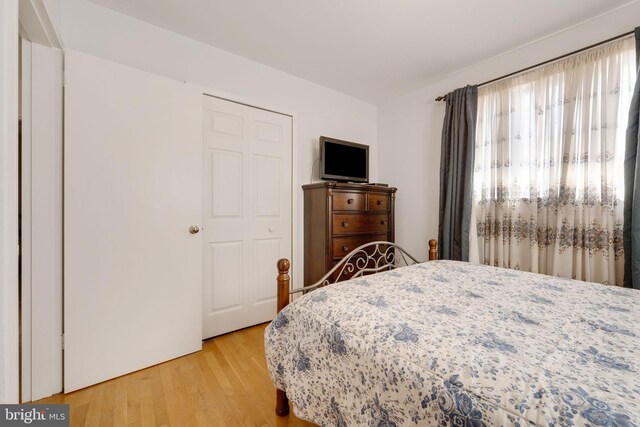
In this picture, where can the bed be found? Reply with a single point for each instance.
(452, 343)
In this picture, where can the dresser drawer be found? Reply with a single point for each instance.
(360, 223)
(343, 201)
(343, 245)
(379, 202)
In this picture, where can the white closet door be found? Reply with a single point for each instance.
(247, 213)
(133, 187)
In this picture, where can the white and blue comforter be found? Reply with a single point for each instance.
(449, 343)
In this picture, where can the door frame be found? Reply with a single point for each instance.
(294, 165)
(41, 222)
(41, 328)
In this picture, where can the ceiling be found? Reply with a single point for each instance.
(371, 49)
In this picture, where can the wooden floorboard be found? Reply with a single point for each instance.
(225, 384)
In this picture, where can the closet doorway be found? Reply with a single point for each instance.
(247, 212)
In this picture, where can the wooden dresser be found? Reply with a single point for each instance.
(340, 217)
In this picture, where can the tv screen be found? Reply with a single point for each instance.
(343, 160)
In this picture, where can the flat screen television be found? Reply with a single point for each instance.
(343, 160)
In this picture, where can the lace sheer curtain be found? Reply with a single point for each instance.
(548, 171)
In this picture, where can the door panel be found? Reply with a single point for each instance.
(133, 186)
(267, 251)
(226, 181)
(268, 171)
(226, 261)
(249, 188)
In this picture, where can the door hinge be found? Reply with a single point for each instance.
(62, 336)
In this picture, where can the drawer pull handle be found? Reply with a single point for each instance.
(383, 222)
(345, 248)
(379, 202)
(350, 201)
(345, 223)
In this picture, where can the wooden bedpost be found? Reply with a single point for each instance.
(283, 283)
(282, 403)
(433, 250)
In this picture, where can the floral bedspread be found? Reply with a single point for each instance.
(451, 343)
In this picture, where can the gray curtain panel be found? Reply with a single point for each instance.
(632, 188)
(456, 173)
(637, 31)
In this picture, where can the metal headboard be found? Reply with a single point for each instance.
(383, 255)
(368, 258)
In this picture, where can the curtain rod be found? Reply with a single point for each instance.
(442, 97)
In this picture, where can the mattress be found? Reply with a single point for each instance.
(451, 343)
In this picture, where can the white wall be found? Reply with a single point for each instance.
(409, 127)
(317, 110)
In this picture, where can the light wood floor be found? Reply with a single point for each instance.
(225, 384)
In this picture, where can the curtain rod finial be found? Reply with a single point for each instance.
(440, 98)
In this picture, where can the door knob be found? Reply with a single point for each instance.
(194, 229)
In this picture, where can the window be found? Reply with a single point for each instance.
(548, 168)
